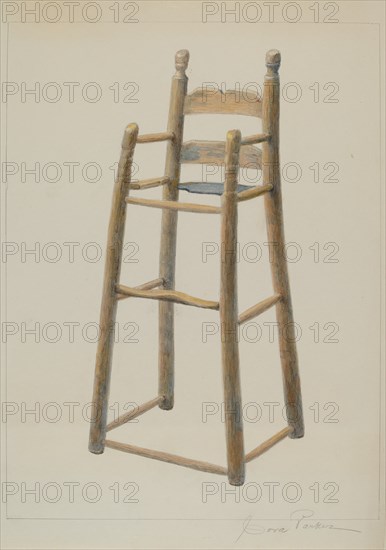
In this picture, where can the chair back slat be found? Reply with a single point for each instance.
(232, 102)
(213, 152)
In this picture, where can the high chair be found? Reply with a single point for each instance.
(237, 151)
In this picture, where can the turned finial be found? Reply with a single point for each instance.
(181, 61)
(272, 60)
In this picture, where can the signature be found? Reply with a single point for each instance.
(299, 520)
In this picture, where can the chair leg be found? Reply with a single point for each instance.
(166, 309)
(229, 316)
(169, 232)
(109, 302)
(275, 231)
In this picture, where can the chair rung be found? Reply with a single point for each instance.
(175, 205)
(252, 193)
(135, 413)
(151, 138)
(260, 449)
(167, 457)
(145, 286)
(167, 296)
(147, 184)
(257, 138)
(259, 308)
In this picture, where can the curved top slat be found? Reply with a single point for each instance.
(231, 102)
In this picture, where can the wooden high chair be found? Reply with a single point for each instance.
(236, 151)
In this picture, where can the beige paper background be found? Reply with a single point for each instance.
(341, 455)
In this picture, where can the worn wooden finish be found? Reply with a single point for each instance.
(145, 286)
(148, 184)
(167, 296)
(151, 138)
(232, 153)
(258, 309)
(108, 306)
(124, 418)
(213, 152)
(175, 205)
(275, 231)
(167, 259)
(257, 138)
(168, 457)
(252, 193)
(232, 102)
(228, 314)
(260, 449)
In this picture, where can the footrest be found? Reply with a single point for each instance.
(260, 449)
(259, 308)
(124, 418)
(175, 205)
(167, 296)
(145, 286)
(167, 457)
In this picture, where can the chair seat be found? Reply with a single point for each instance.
(208, 188)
